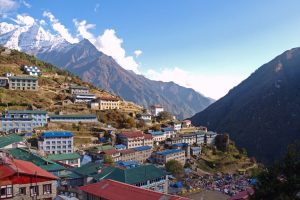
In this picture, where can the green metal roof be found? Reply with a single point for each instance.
(88, 169)
(131, 176)
(26, 112)
(23, 154)
(65, 156)
(9, 139)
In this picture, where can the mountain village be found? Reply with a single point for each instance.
(67, 150)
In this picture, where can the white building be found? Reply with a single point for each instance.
(56, 142)
(156, 109)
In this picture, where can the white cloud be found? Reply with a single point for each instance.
(24, 20)
(96, 7)
(8, 5)
(108, 43)
(211, 85)
(82, 29)
(137, 52)
(61, 29)
(26, 4)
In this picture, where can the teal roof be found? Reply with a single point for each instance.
(132, 175)
(65, 156)
(23, 78)
(26, 112)
(23, 154)
(9, 139)
(88, 169)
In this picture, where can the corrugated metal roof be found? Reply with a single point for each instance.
(168, 151)
(134, 175)
(142, 148)
(65, 156)
(9, 139)
(53, 134)
(114, 190)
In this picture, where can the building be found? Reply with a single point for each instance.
(11, 141)
(176, 125)
(56, 142)
(143, 153)
(186, 123)
(22, 120)
(32, 70)
(73, 118)
(77, 89)
(173, 140)
(113, 153)
(195, 151)
(183, 146)
(106, 103)
(156, 109)
(144, 176)
(158, 136)
(70, 159)
(24, 180)
(190, 138)
(210, 137)
(169, 132)
(162, 157)
(83, 98)
(132, 139)
(127, 154)
(3, 81)
(145, 116)
(114, 190)
(22, 83)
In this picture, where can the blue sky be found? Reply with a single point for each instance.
(208, 45)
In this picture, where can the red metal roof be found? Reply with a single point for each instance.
(127, 151)
(15, 166)
(110, 151)
(114, 190)
(133, 134)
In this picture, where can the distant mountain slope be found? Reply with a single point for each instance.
(84, 60)
(263, 112)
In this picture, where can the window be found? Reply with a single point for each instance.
(34, 190)
(22, 190)
(47, 189)
(6, 191)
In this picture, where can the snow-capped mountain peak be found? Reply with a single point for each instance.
(29, 38)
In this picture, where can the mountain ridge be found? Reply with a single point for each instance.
(261, 112)
(84, 60)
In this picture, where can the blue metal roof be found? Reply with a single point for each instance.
(156, 133)
(168, 129)
(169, 151)
(181, 145)
(142, 148)
(53, 134)
(120, 146)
